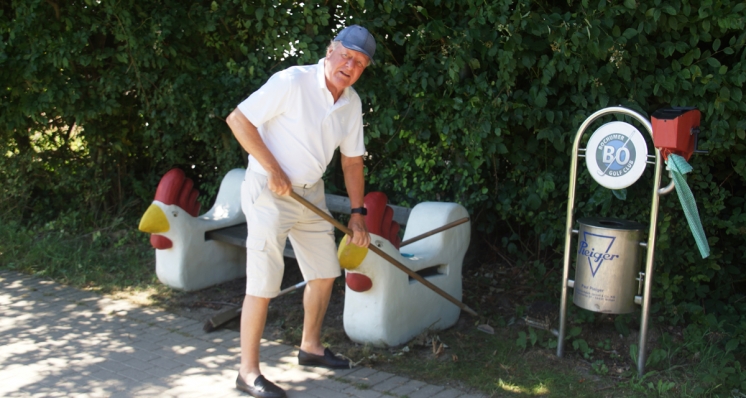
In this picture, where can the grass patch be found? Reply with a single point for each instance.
(113, 259)
(493, 364)
(498, 365)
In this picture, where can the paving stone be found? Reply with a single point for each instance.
(319, 392)
(331, 384)
(390, 383)
(357, 391)
(368, 376)
(113, 366)
(134, 374)
(166, 363)
(144, 355)
(161, 375)
(407, 388)
(448, 393)
(426, 391)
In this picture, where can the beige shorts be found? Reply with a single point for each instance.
(271, 219)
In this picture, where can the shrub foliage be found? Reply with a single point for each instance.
(470, 101)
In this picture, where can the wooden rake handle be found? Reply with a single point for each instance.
(435, 231)
(383, 254)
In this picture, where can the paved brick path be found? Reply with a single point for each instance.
(56, 341)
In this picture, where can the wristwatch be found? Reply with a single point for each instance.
(359, 210)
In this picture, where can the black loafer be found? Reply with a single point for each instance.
(262, 388)
(328, 360)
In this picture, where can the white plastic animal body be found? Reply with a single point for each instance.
(396, 308)
(183, 258)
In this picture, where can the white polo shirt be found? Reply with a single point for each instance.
(302, 125)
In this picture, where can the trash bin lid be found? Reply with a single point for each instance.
(611, 223)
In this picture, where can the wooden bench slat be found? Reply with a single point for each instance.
(341, 204)
(234, 235)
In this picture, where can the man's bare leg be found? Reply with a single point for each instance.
(253, 318)
(315, 302)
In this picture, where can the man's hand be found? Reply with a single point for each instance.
(279, 183)
(360, 236)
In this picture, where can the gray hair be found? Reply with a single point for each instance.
(332, 45)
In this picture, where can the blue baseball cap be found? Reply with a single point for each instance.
(357, 38)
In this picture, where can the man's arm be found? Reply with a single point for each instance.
(249, 138)
(352, 167)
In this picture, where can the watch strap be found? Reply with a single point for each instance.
(359, 210)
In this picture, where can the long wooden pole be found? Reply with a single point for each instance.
(224, 317)
(383, 254)
(435, 231)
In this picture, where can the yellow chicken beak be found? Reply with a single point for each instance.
(154, 221)
(350, 256)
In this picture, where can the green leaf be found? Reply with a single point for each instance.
(630, 33)
(724, 93)
(541, 99)
(687, 59)
(668, 10)
(673, 23)
(736, 94)
(521, 340)
(603, 100)
(421, 10)
(731, 345)
(631, 4)
(574, 331)
(633, 352)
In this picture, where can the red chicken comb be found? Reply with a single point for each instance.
(379, 220)
(176, 189)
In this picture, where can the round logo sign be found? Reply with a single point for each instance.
(616, 155)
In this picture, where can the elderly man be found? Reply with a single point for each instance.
(291, 127)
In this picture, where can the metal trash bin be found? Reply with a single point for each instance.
(607, 265)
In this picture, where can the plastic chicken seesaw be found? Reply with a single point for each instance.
(388, 307)
(184, 259)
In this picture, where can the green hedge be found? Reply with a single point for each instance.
(149, 82)
(469, 101)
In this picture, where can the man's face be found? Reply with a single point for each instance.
(343, 67)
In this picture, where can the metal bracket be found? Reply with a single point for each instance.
(641, 280)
